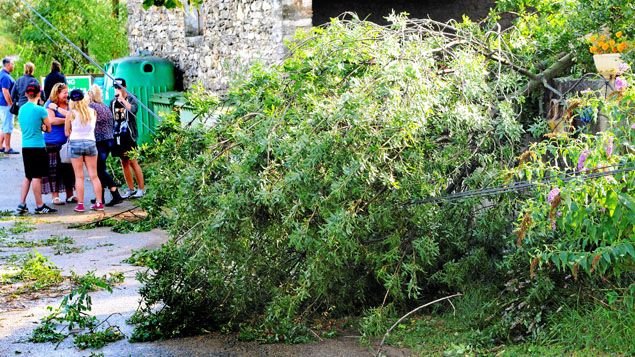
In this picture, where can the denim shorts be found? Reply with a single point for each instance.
(81, 148)
(6, 118)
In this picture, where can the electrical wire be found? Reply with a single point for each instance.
(523, 185)
(91, 60)
(51, 39)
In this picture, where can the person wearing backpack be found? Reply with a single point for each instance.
(124, 109)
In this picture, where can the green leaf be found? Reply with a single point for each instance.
(611, 202)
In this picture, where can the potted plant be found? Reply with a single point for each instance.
(606, 50)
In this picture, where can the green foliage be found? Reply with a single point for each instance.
(377, 320)
(94, 26)
(98, 339)
(72, 313)
(124, 226)
(546, 28)
(142, 257)
(170, 4)
(584, 225)
(36, 271)
(147, 327)
(46, 332)
(302, 189)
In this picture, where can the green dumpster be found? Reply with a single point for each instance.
(186, 112)
(173, 102)
(145, 76)
(164, 102)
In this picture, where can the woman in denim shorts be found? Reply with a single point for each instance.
(80, 128)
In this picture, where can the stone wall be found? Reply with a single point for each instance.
(231, 34)
(234, 33)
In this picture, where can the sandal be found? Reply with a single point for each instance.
(58, 201)
(71, 199)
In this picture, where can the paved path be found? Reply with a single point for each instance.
(103, 251)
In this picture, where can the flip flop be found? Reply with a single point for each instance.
(58, 201)
(71, 199)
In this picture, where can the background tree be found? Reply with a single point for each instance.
(98, 27)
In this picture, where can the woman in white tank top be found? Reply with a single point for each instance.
(80, 128)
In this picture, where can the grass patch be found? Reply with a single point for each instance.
(582, 331)
(595, 328)
(36, 271)
(21, 227)
(52, 241)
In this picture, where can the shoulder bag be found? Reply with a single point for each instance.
(65, 153)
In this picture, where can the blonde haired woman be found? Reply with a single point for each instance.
(60, 175)
(104, 135)
(80, 129)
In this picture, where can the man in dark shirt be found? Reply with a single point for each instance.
(53, 78)
(124, 109)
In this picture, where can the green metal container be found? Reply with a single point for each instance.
(164, 102)
(170, 102)
(144, 77)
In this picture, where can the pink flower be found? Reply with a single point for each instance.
(609, 146)
(620, 84)
(633, 126)
(583, 155)
(553, 194)
(623, 68)
(553, 225)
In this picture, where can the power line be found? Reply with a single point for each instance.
(51, 39)
(91, 60)
(522, 185)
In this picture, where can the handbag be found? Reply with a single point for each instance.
(15, 108)
(65, 153)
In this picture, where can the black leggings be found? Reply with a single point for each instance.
(104, 147)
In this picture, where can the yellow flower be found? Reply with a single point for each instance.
(594, 38)
(602, 38)
(619, 34)
(621, 47)
(594, 49)
(612, 43)
(605, 46)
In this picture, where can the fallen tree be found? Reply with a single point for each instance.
(299, 201)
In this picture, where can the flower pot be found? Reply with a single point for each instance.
(607, 64)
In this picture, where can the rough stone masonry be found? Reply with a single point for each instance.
(209, 43)
(222, 36)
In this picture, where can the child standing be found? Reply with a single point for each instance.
(33, 120)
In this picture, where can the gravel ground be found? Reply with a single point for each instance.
(103, 252)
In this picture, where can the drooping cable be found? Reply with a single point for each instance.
(91, 60)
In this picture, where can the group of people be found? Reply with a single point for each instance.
(52, 116)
